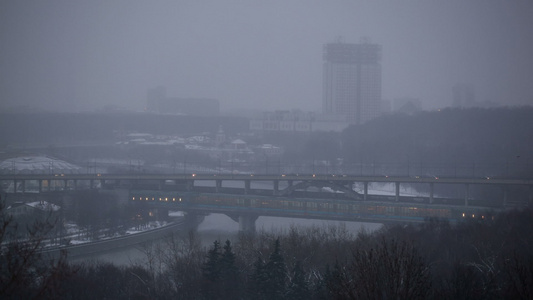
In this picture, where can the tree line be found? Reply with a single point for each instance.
(475, 259)
(452, 136)
(448, 136)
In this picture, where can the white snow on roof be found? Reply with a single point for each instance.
(268, 146)
(238, 141)
(37, 164)
(139, 135)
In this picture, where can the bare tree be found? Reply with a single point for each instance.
(24, 271)
(391, 270)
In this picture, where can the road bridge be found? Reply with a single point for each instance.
(245, 204)
(340, 184)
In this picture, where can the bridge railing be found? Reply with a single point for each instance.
(270, 167)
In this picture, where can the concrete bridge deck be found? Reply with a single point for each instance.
(341, 183)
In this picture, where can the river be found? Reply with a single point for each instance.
(221, 227)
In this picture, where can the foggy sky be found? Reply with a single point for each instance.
(82, 55)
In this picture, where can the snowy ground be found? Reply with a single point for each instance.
(77, 236)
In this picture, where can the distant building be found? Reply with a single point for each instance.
(220, 137)
(158, 102)
(269, 150)
(352, 81)
(37, 164)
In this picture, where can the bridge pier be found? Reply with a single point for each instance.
(467, 193)
(276, 188)
(365, 189)
(247, 187)
(397, 191)
(431, 190)
(504, 190)
(218, 185)
(193, 220)
(530, 200)
(189, 185)
(247, 223)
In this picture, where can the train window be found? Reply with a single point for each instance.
(133, 199)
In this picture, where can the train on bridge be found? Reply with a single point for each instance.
(327, 209)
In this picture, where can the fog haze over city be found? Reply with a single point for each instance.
(82, 56)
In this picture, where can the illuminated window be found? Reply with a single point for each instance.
(133, 198)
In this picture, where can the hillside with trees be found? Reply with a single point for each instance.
(499, 137)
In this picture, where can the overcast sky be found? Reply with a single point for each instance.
(82, 55)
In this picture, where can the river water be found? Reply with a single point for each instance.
(221, 227)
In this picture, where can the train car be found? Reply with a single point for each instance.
(313, 208)
(158, 196)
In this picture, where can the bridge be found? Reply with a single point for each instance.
(245, 209)
(292, 183)
(287, 195)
